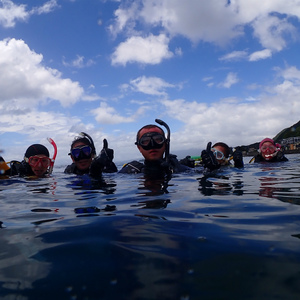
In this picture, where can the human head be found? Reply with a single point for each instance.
(267, 148)
(224, 148)
(156, 151)
(84, 151)
(37, 156)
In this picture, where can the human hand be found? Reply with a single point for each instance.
(208, 158)
(238, 158)
(106, 153)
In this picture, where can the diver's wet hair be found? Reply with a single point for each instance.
(149, 126)
(85, 139)
(225, 146)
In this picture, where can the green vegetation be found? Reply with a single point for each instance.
(292, 131)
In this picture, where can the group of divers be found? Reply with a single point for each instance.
(154, 146)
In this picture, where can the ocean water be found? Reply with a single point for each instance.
(232, 236)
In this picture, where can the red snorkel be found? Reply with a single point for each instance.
(54, 154)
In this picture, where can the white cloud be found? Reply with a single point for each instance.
(150, 85)
(238, 122)
(45, 8)
(213, 21)
(271, 31)
(25, 79)
(80, 62)
(149, 50)
(234, 56)
(10, 13)
(124, 18)
(34, 126)
(194, 19)
(258, 55)
(108, 115)
(230, 80)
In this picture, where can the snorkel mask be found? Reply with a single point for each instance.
(151, 140)
(84, 151)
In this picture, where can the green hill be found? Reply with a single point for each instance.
(292, 131)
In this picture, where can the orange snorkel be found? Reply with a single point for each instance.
(54, 154)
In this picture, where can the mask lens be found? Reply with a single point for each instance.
(35, 160)
(144, 141)
(151, 140)
(218, 154)
(75, 152)
(81, 152)
(271, 148)
(158, 139)
(87, 150)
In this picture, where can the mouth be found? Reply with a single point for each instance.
(153, 151)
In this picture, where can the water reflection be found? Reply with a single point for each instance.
(221, 185)
(19, 270)
(223, 237)
(278, 184)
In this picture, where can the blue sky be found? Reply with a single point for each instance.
(213, 70)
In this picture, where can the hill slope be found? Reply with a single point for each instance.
(292, 131)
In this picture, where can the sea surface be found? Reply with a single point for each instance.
(235, 235)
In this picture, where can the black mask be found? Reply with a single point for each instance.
(151, 140)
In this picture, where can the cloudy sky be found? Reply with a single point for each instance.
(214, 70)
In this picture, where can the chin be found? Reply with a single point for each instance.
(83, 165)
(39, 173)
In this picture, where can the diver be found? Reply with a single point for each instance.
(84, 160)
(269, 151)
(4, 168)
(217, 156)
(155, 148)
(36, 162)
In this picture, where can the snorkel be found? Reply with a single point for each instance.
(167, 151)
(54, 154)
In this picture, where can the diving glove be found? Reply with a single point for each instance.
(209, 160)
(238, 158)
(103, 162)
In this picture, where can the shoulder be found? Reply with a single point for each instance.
(70, 169)
(20, 168)
(258, 158)
(176, 165)
(132, 167)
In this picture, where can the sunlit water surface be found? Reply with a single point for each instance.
(233, 236)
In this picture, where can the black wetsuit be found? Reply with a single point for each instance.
(96, 169)
(277, 158)
(157, 167)
(20, 168)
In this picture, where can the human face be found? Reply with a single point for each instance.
(82, 164)
(151, 154)
(39, 164)
(267, 150)
(223, 150)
